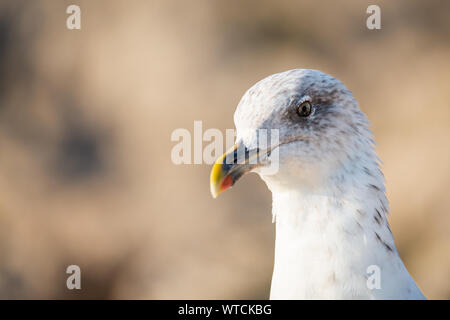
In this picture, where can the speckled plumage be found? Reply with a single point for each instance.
(329, 198)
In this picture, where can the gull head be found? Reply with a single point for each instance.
(304, 134)
(296, 129)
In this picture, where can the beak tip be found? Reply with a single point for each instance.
(214, 194)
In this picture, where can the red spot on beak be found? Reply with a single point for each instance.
(226, 183)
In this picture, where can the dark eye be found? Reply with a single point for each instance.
(304, 109)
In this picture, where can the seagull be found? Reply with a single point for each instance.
(333, 240)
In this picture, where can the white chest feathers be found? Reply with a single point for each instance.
(335, 249)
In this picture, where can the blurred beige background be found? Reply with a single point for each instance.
(86, 117)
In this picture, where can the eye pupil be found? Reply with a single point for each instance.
(304, 109)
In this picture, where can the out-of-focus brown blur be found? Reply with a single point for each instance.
(86, 117)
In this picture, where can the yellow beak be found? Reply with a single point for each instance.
(227, 169)
(219, 181)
